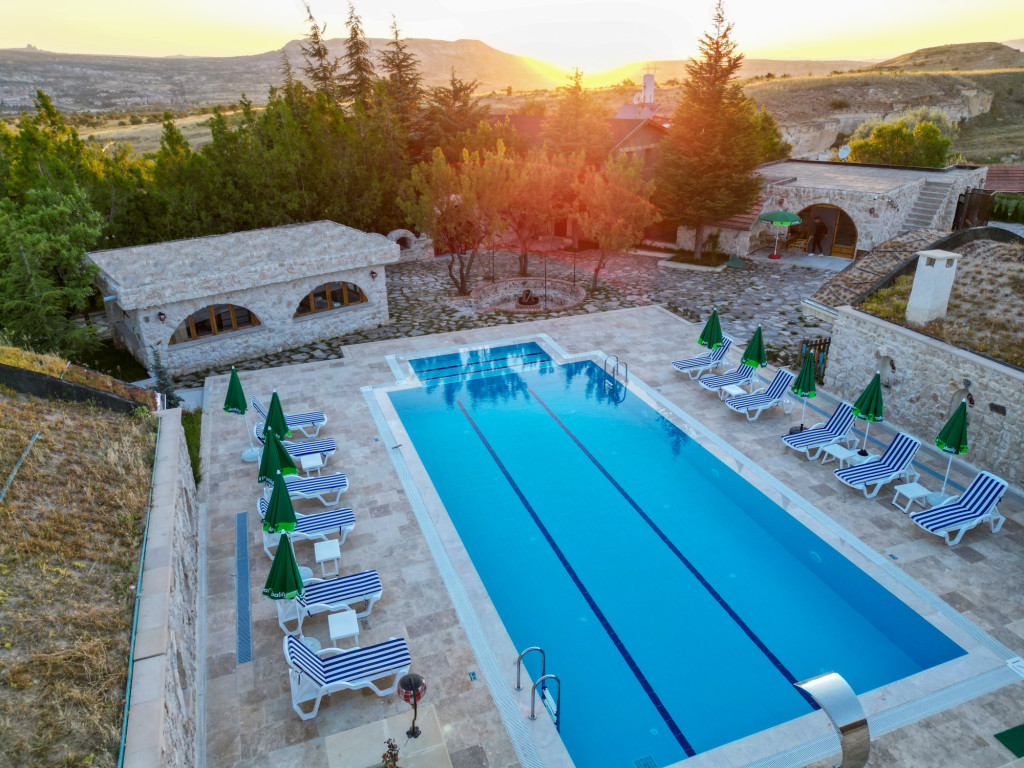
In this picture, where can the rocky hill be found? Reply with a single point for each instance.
(960, 57)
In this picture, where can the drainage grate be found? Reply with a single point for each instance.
(243, 629)
(645, 762)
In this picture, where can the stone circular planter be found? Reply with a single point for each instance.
(552, 295)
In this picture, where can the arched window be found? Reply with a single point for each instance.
(214, 320)
(330, 296)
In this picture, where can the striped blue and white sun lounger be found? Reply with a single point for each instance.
(977, 505)
(315, 527)
(314, 487)
(332, 595)
(299, 448)
(301, 421)
(895, 462)
(736, 377)
(706, 363)
(838, 429)
(765, 397)
(315, 675)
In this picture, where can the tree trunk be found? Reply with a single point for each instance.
(698, 241)
(524, 263)
(597, 268)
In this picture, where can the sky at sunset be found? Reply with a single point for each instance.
(592, 35)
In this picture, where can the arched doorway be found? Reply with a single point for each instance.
(841, 233)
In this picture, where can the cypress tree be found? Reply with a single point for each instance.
(357, 81)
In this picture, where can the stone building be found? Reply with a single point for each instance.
(209, 301)
(861, 205)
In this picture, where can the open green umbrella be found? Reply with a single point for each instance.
(711, 336)
(953, 437)
(779, 219)
(280, 512)
(804, 385)
(276, 460)
(284, 582)
(869, 407)
(234, 402)
(275, 419)
(754, 355)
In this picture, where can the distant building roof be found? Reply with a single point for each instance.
(642, 111)
(145, 275)
(1005, 178)
(853, 177)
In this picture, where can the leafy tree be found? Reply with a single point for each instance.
(611, 208)
(357, 80)
(897, 143)
(911, 118)
(450, 111)
(321, 69)
(44, 277)
(457, 205)
(771, 145)
(706, 169)
(577, 124)
(530, 197)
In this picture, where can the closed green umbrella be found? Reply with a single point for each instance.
(869, 407)
(779, 219)
(804, 385)
(275, 419)
(711, 336)
(280, 512)
(754, 355)
(234, 402)
(275, 461)
(953, 437)
(284, 582)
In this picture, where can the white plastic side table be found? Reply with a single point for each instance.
(323, 551)
(311, 462)
(914, 493)
(344, 624)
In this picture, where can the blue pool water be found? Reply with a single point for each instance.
(676, 603)
(458, 366)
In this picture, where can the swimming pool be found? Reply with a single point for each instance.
(676, 603)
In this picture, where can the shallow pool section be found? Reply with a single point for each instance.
(479, 363)
(676, 603)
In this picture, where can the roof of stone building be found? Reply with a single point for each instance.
(855, 177)
(866, 270)
(1005, 178)
(178, 270)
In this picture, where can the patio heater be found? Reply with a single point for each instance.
(413, 688)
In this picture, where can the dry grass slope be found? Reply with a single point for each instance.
(72, 523)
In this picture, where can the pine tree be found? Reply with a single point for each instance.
(357, 80)
(163, 383)
(577, 124)
(402, 76)
(322, 71)
(451, 111)
(706, 169)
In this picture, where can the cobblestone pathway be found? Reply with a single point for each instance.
(419, 293)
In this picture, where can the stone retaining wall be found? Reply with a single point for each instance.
(927, 385)
(163, 706)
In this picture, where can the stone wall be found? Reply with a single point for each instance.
(927, 385)
(943, 218)
(163, 705)
(413, 247)
(274, 305)
(738, 242)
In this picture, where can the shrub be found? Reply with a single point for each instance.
(838, 102)
(1008, 207)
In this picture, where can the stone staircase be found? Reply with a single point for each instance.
(933, 196)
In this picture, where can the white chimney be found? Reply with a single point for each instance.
(933, 281)
(648, 89)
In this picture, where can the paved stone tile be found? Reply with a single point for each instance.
(247, 706)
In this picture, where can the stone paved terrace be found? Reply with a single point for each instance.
(419, 293)
(248, 718)
(853, 176)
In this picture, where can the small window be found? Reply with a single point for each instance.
(214, 320)
(330, 296)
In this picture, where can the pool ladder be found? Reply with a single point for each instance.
(612, 378)
(555, 713)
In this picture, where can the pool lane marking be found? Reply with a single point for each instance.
(488, 360)
(682, 558)
(613, 636)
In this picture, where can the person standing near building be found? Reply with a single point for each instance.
(818, 232)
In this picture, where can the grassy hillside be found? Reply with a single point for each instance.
(998, 135)
(963, 56)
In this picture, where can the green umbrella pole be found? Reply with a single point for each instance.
(946, 478)
(803, 412)
(864, 451)
(252, 453)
